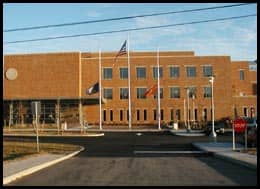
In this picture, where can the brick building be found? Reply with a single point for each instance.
(60, 81)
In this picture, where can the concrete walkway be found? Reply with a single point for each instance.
(15, 166)
(15, 169)
(222, 150)
(225, 151)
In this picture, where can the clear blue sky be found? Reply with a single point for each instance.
(236, 38)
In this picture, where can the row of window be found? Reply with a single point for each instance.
(174, 72)
(247, 112)
(174, 92)
(174, 115)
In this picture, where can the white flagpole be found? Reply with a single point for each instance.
(129, 86)
(158, 90)
(100, 91)
(184, 113)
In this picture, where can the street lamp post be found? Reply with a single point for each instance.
(188, 109)
(211, 80)
(193, 106)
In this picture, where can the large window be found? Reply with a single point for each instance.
(107, 73)
(155, 71)
(104, 115)
(241, 75)
(172, 114)
(145, 115)
(174, 72)
(192, 92)
(123, 73)
(161, 93)
(121, 115)
(141, 73)
(191, 71)
(207, 92)
(196, 114)
(207, 71)
(178, 114)
(111, 115)
(123, 93)
(154, 115)
(138, 115)
(245, 111)
(162, 116)
(140, 93)
(108, 93)
(205, 114)
(175, 92)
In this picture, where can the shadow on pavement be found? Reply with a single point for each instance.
(239, 174)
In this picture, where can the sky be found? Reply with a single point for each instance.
(235, 38)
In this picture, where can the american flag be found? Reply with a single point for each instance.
(122, 50)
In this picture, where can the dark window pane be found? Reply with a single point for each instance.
(207, 71)
(141, 73)
(123, 73)
(107, 73)
(174, 72)
(191, 71)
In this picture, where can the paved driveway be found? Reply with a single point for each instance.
(110, 161)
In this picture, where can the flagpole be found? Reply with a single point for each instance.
(100, 90)
(158, 91)
(129, 86)
(184, 112)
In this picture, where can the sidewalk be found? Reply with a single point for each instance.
(224, 150)
(19, 168)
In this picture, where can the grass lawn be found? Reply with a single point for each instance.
(13, 149)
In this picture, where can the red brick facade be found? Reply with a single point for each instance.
(68, 75)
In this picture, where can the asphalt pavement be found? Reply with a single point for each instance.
(17, 169)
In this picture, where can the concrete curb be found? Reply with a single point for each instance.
(13, 177)
(237, 161)
(133, 130)
(230, 159)
(72, 135)
(184, 133)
